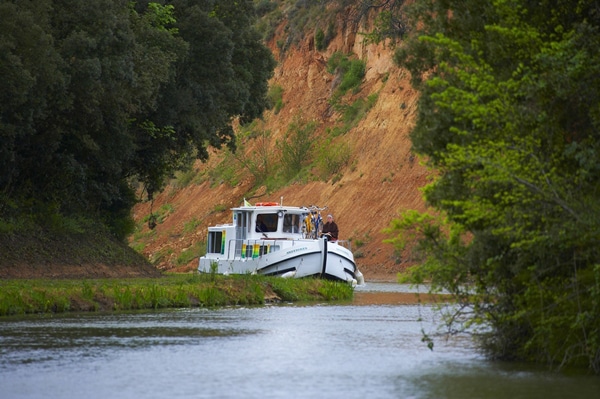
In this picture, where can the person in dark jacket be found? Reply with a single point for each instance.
(261, 227)
(330, 228)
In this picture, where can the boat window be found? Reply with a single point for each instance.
(266, 223)
(215, 240)
(291, 223)
(242, 225)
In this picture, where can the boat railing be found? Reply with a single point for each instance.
(345, 243)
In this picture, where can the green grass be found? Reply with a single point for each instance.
(191, 225)
(19, 297)
(194, 252)
(275, 97)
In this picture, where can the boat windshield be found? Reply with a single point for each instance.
(291, 223)
(266, 223)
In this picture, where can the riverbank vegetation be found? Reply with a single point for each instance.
(509, 119)
(18, 297)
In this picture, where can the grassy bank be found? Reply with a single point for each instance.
(31, 253)
(171, 291)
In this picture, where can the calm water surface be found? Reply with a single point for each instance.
(354, 350)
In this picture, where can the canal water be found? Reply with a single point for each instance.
(368, 348)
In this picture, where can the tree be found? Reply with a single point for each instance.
(388, 21)
(222, 75)
(98, 95)
(509, 119)
(32, 88)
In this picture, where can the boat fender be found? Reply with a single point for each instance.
(360, 279)
(289, 274)
(266, 204)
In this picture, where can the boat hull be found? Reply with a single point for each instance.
(293, 258)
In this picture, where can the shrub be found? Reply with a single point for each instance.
(333, 158)
(353, 76)
(353, 113)
(320, 40)
(296, 149)
(195, 251)
(348, 74)
(275, 97)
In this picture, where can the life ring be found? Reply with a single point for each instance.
(266, 204)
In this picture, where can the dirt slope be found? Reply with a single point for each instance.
(384, 176)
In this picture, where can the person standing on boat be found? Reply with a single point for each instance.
(330, 228)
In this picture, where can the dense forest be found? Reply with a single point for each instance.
(101, 98)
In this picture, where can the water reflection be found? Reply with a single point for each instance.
(394, 294)
(498, 381)
(325, 351)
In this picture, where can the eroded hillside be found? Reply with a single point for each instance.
(381, 178)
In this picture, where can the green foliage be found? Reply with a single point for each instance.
(185, 177)
(260, 161)
(333, 157)
(75, 242)
(389, 21)
(336, 291)
(338, 60)
(320, 40)
(227, 171)
(100, 95)
(270, 16)
(264, 7)
(349, 73)
(508, 115)
(159, 256)
(352, 78)
(189, 254)
(19, 297)
(353, 113)
(160, 215)
(162, 17)
(219, 208)
(297, 147)
(275, 96)
(301, 17)
(292, 290)
(191, 226)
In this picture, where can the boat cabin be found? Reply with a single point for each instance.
(260, 225)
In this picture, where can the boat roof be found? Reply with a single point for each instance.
(275, 206)
(270, 207)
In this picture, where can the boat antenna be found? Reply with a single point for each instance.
(281, 201)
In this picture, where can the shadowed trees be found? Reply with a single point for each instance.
(99, 95)
(508, 117)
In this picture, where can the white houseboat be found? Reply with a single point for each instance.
(271, 239)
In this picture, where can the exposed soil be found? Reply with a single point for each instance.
(382, 179)
(384, 176)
